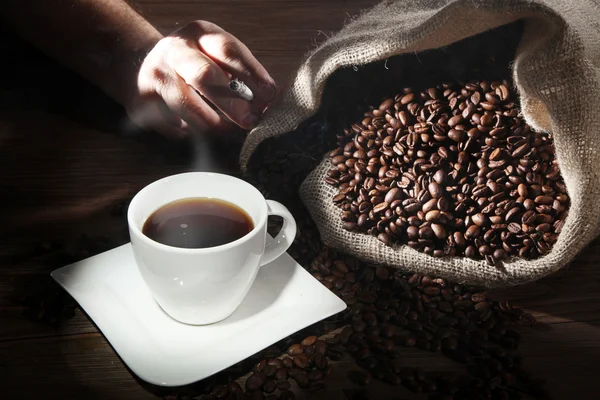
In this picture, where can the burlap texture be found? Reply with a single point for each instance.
(557, 75)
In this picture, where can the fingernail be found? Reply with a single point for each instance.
(267, 91)
(250, 120)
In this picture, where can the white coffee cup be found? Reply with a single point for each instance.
(204, 286)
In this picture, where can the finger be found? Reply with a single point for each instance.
(208, 78)
(225, 123)
(188, 105)
(234, 57)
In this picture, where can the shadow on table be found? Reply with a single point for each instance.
(567, 307)
(571, 294)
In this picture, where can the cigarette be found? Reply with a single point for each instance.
(238, 87)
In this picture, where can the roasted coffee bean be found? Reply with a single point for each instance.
(301, 361)
(302, 380)
(295, 350)
(255, 381)
(283, 385)
(270, 370)
(472, 232)
(309, 341)
(435, 190)
(477, 193)
(287, 395)
(269, 386)
(480, 219)
(288, 362)
(282, 373)
(382, 273)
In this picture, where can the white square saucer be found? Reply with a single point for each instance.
(283, 300)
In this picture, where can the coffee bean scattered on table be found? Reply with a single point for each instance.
(391, 309)
(453, 170)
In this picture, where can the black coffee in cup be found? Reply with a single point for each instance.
(196, 223)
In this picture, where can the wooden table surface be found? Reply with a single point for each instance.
(67, 158)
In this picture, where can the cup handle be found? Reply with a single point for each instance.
(284, 238)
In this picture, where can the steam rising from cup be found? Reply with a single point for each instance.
(203, 154)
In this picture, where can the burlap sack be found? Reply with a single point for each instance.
(557, 74)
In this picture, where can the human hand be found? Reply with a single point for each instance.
(200, 57)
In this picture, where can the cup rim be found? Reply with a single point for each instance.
(205, 250)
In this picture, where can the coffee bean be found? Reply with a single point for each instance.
(384, 238)
(386, 104)
(295, 350)
(287, 395)
(381, 207)
(433, 216)
(393, 194)
(407, 99)
(339, 198)
(435, 190)
(499, 158)
(302, 380)
(310, 340)
(255, 381)
(426, 232)
(283, 385)
(269, 386)
(301, 361)
(520, 151)
(480, 219)
(472, 232)
(478, 297)
(288, 362)
(485, 250)
(514, 227)
(500, 254)
(456, 135)
(282, 373)
(439, 231)
(455, 120)
(432, 290)
(382, 273)
(270, 370)
(234, 387)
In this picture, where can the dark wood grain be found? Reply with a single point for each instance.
(278, 33)
(68, 156)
